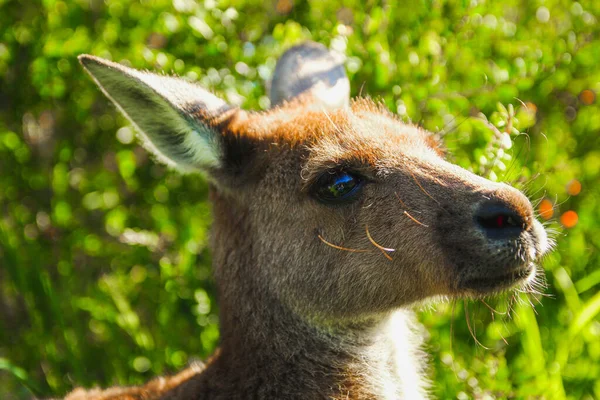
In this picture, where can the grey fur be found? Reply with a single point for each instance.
(316, 299)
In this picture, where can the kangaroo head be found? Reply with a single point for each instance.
(337, 213)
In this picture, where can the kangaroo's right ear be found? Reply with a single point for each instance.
(176, 119)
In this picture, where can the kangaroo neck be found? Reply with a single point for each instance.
(287, 357)
(269, 350)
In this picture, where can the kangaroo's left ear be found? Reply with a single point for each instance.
(176, 119)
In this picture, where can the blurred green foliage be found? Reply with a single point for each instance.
(104, 266)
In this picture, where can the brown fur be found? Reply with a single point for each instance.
(302, 315)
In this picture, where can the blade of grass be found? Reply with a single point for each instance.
(588, 282)
(21, 375)
(566, 285)
(587, 313)
(534, 349)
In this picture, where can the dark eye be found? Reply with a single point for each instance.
(337, 187)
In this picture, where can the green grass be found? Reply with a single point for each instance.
(104, 261)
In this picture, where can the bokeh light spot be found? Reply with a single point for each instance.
(141, 364)
(569, 219)
(284, 6)
(587, 96)
(546, 209)
(574, 187)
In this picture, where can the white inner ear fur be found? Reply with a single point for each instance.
(159, 107)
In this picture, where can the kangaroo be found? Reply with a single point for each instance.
(332, 220)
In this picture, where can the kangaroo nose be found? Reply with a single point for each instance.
(499, 221)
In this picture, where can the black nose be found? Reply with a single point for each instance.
(498, 221)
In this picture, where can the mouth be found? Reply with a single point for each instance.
(497, 283)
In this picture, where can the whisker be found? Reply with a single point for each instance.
(415, 220)
(491, 308)
(505, 328)
(452, 324)
(450, 127)
(400, 200)
(500, 331)
(342, 248)
(536, 298)
(452, 337)
(562, 202)
(509, 170)
(541, 187)
(493, 311)
(425, 191)
(502, 336)
(537, 202)
(528, 141)
(407, 214)
(384, 250)
(531, 304)
(516, 157)
(511, 303)
(469, 326)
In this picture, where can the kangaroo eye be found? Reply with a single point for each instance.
(337, 187)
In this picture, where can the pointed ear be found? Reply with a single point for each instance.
(175, 118)
(312, 71)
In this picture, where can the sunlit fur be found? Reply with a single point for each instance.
(316, 298)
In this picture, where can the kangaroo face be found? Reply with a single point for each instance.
(357, 214)
(345, 213)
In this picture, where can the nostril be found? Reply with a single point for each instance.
(499, 221)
